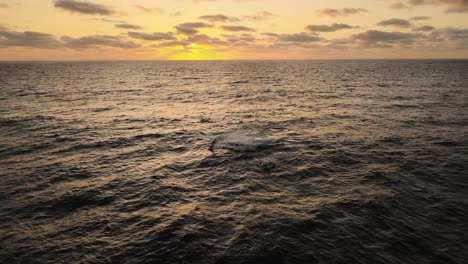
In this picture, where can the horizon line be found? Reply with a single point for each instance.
(388, 59)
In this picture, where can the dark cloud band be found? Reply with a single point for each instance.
(84, 7)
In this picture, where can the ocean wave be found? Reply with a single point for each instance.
(248, 162)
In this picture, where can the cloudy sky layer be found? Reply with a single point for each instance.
(232, 29)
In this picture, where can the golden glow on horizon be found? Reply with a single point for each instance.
(202, 52)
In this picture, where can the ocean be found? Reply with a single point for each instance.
(234, 162)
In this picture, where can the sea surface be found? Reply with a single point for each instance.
(234, 162)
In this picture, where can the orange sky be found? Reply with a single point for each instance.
(232, 29)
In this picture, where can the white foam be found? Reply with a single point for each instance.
(240, 142)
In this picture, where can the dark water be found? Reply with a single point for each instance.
(234, 162)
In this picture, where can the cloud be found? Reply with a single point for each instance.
(241, 38)
(29, 39)
(113, 21)
(261, 15)
(450, 38)
(270, 34)
(418, 18)
(297, 37)
(155, 10)
(127, 26)
(397, 5)
(41, 40)
(340, 12)
(383, 37)
(191, 28)
(237, 28)
(98, 41)
(5, 5)
(84, 7)
(258, 16)
(219, 18)
(152, 37)
(328, 28)
(173, 43)
(401, 23)
(424, 28)
(453, 6)
(205, 40)
(456, 35)
(457, 10)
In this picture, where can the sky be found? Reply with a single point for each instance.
(53, 30)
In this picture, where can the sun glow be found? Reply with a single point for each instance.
(202, 52)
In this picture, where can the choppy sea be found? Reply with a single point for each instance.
(234, 162)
